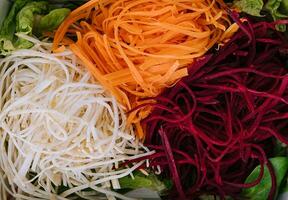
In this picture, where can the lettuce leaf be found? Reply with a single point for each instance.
(25, 18)
(251, 7)
(142, 181)
(261, 191)
(278, 9)
(31, 18)
(52, 20)
(9, 26)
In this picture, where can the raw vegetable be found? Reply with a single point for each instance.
(252, 7)
(62, 136)
(136, 48)
(25, 17)
(277, 9)
(8, 27)
(261, 191)
(140, 184)
(29, 17)
(214, 126)
(52, 20)
(60, 128)
(140, 180)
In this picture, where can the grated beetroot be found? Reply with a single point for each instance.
(213, 127)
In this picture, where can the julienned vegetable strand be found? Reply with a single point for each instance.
(224, 118)
(60, 128)
(136, 48)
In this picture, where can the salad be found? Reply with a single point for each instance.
(144, 99)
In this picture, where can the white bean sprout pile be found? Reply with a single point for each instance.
(61, 134)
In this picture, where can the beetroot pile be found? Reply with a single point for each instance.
(217, 124)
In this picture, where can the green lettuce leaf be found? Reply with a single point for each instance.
(261, 191)
(9, 27)
(25, 21)
(278, 9)
(251, 7)
(52, 20)
(142, 181)
(31, 18)
(25, 18)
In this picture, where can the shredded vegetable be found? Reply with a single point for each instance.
(218, 123)
(59, 128)
(135, 48)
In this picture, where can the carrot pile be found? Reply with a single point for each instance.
(136, 48)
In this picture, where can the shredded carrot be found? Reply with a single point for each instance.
(136, 48)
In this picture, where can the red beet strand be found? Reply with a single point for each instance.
(217, 124)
